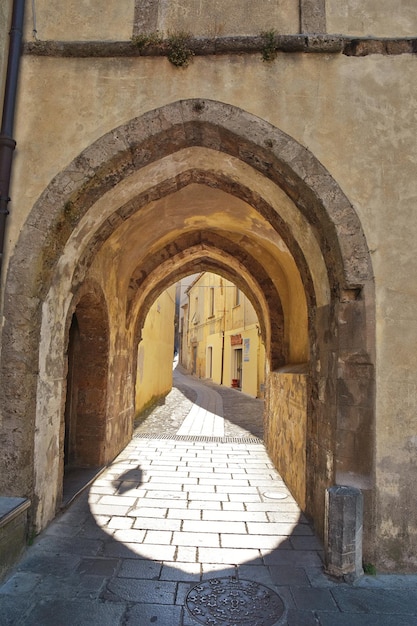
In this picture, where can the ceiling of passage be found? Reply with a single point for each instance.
(203, 228)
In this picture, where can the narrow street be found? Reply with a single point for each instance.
(191, 524)
(194, 407)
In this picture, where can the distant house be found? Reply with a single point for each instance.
(221, 338)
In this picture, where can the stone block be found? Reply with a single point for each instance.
(343, 532)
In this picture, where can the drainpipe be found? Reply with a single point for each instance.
(7, 143)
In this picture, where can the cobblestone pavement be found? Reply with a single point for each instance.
(179, 531)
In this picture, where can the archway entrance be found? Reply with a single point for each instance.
(200, 185)
(86, 390)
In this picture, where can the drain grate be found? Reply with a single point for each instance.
(233, 602)
(200, 438)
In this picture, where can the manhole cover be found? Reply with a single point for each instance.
(233, 602)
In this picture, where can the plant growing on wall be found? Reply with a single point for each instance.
(369, 569)
(179, 51)
(176, 45)
(269, 51)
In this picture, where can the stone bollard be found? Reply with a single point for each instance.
(343, 532)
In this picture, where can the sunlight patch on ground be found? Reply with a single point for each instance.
(202, 422)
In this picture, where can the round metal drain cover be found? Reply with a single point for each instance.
(275, 495)
(233, 602)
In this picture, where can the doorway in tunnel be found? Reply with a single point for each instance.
(85, 414)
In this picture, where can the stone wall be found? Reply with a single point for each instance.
(286, 427)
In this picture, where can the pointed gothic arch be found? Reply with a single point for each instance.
(319, 233)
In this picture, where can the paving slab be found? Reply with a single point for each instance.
(377, 601)
(355, 619)
(50, 612)
(158, 614)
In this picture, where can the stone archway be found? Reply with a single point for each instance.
(286, 209)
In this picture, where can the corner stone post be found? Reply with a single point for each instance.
(343, 532)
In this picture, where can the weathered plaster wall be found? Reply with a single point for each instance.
(368, 90)
(238, 17)
(215, 342)
(155, 352)
(372, 17)
(356, 115)
(113, 20)
(77, 20)
(5, 17)
(251, 357)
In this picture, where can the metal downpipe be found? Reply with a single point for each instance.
(7, 143)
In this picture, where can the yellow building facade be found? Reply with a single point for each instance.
(221, 335)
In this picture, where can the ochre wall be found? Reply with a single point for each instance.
(236, 17)
(112, 20)
(5, 17)
(253, 368)
(354, 114)
(372, 17)
(77, 20)
(156, 351)
(251, 357)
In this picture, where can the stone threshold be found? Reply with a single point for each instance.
(205, 46)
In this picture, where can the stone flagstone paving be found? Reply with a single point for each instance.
(172, 512)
